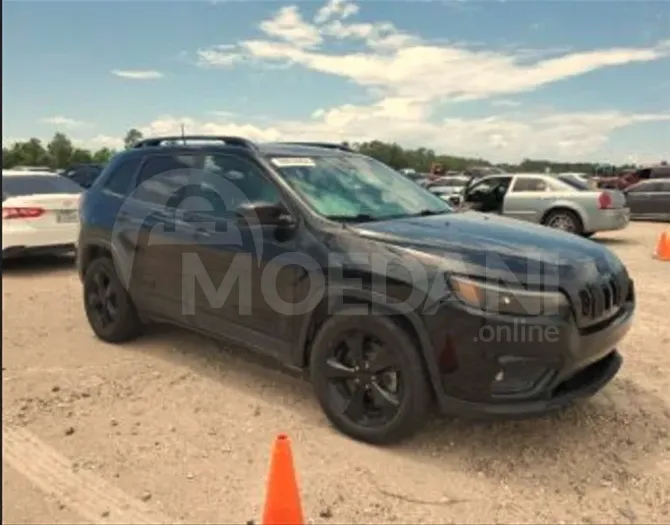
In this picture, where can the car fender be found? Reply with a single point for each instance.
(378, 301)
(575, 207)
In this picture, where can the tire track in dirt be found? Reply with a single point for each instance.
(88, 495)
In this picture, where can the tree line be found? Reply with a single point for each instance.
(60, 153)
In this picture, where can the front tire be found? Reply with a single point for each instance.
(369, 377)
(109, 308)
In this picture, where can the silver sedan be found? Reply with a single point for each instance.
(544, 199)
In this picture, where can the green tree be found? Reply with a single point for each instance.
(31, 153)
(60, 151)
(132, 137)
(102, 156)
(81, 156)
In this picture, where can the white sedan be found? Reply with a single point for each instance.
(39, 213)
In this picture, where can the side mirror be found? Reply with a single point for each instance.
(264, 213)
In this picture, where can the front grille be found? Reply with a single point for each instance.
(602, 300)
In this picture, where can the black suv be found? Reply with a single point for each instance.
(339, 266)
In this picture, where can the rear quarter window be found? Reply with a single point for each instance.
(121, 176)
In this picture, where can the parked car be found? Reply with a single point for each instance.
(449, 188)
(83, 174)
(420, 178)
(649, 199)
(546, 200)
(629, 177)
(325, 227)
(39, 213)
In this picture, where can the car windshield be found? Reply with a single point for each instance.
(356, 188)
(18, 185)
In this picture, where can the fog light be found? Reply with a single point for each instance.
(518, 375)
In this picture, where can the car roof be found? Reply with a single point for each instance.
(205, 143)
(26, 173)
(299, 150)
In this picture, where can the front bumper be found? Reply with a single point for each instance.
(493, 365)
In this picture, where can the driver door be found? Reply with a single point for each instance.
(488, 195)
(230, 296)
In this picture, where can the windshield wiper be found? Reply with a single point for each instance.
(428, 213)
(361, 217)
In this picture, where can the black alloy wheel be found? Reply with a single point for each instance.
(368, 376)
(364, 377)
(109, 308)
(103, 300)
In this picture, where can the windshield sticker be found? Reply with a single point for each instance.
(293, 162)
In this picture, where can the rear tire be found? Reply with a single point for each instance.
(392, 410)
(564, 220)
(109, 308)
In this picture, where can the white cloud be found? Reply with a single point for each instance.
(218, 57)
(289, 25)
(559, 136)
(63, 122)
(137, 74)
(335, 9)
(505, 103)
(408, 79)
(404, 65)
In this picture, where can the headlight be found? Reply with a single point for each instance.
(511, 301)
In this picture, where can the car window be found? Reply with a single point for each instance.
(229, 181)
(164, 179)
(644, 174)
(530, 184)
(120, 179)
(20, 185)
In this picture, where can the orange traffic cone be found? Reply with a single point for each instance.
(663, 247)
(282, 499)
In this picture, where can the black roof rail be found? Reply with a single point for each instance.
(228, 141)
(326, 145)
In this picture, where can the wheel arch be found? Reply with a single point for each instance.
(91, 251)
(563, 206)
(343, 297)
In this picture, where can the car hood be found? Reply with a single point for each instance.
(491, 246)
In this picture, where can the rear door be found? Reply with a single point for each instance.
(156, 210)
(527, 198)
(640, 198)
(660, 198)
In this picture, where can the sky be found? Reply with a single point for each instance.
(502, 80)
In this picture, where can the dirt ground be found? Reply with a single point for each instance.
(174, 428)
